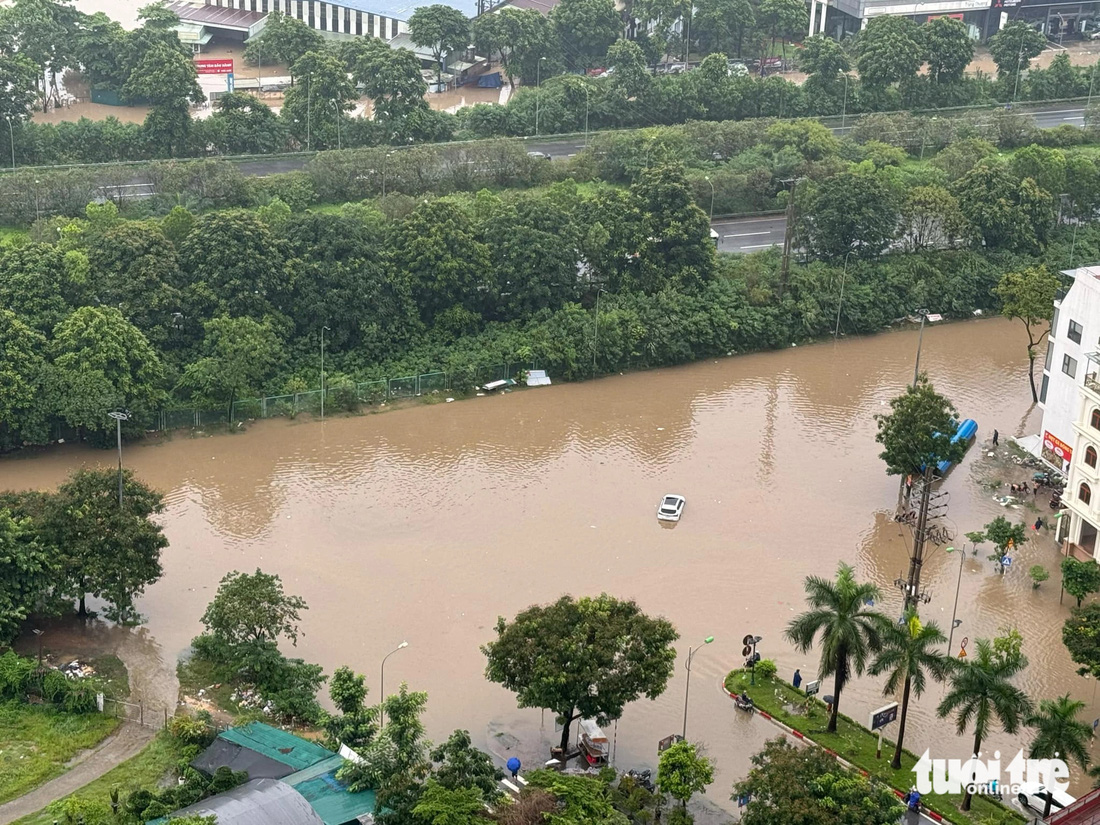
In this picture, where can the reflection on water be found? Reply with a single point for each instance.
(426, 524)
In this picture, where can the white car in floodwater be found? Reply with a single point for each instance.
(1033, 795)
(672, 507)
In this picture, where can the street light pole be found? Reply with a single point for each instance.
(119, 416)
(840, 306)
(382, 686)
(708, 180)
(385, 158)
(538, 94)
(11, 134)
(687, 689)
(586, 115)
(596, 331)
(954, 610)
(309, 102)
(323, 329)
(844, 108)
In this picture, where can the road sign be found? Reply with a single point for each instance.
(214, 66)
(1006, 561)
(883, 716)
(813, 688)
(229, 81)
(748, 640)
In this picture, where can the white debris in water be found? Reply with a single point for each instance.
(449, 400)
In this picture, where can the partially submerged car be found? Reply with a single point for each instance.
(671, 508)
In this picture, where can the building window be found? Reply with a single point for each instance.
(1069, 366)
(323, 16)
(393, 28)
(1094, 420)
(1050, 356)
(1074, 332)
(370, 24)
(1090, 456)
(312, 15)
(347, 21)
(359, 23)
(1043, 391)
(1084, 493)
(1054, 323)
(300, 16)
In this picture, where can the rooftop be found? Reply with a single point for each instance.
(327, 795)
(216, 16)
(278, 745)
(256, 802)
(402, 9)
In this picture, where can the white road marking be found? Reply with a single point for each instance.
(748, 234)
(760, 246)
(1079, 117)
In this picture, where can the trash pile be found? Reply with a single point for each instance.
(77, 670)
(250, 698)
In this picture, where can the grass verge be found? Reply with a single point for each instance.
(38, 741)
(857, 745)
(145, 770)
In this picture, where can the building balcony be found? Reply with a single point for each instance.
(1092, 386)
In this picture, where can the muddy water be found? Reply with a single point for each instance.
(426, 524)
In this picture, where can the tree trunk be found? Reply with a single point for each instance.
(1031, 374)
(836, 698)
(969, 795)
(83, 611)
(565, 732)
(895, 763)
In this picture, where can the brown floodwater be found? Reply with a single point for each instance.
(425, 524)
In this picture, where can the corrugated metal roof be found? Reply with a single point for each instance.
(277, 744)
(256, 802)
(226, 754)
(216, 16)
(329, 796)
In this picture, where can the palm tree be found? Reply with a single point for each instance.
(1060, 734)
(908, 657)
(981, 691)
(850, 630)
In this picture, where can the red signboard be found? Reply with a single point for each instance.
(214, 66)
(1057, 446)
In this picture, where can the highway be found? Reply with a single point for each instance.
(749, 234)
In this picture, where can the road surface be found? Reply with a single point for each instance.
(750, 234)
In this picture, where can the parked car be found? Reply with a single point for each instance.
(1033, 795)
(672, 507)
(539, 155)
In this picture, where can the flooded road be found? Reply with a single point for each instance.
(426, 524)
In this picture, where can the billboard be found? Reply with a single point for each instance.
(1056, 446)
(214, 66)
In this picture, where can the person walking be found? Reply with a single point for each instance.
(797, 680)
(996, 435)
(514, 766)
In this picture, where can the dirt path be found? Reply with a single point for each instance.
(84, 768)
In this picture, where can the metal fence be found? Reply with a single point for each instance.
(136, 712)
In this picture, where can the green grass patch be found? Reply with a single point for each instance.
(857, 745)
(37, 742)
(11, 232)
(111, 676)
(145, 770)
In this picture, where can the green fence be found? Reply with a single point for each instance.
(346, 397)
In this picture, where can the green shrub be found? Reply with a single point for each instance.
(766, 668)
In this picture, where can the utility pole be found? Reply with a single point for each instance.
(119, 416)
(788, 238)
(916, 560)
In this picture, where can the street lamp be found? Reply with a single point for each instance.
(323, 331)
(596, 331)
(920, 341)
(843, 278)
(708, 180)
(382, 686)
(309, 102)
(538, 95)
(119, 416)
(844, 107)
(385, 158)
(752, 641)
(11, 134)
(38, 635)
(954, 609)
(586, 114)
(687, 690)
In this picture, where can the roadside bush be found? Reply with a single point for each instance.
(766, 668)
(190, 731)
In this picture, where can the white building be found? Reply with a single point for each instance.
(1070, 398)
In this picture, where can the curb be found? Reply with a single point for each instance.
(933, 815)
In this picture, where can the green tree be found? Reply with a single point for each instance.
(283, 39)
(17, 78)
(102, 362)
(1081, 636)
(917, 432)
(676, 247)
(728, 21)
(807, 786)
(354, 725)
(441, 29)
(909, 656)
(581, 800)
(460, 767)
(243, 125)
(850, 631)
(1007, 212)
(167, 79)
(948, 49)
(1028, 296)
(783, 18)
(240, 354)
(26, 573)
(248, 616)
(440, 805)
(314, 108)
(931, 217)
(683, 772)
(582, 659)
(22, 409)
(103, 550)
(823, 56)
(981, 694)
(1047, 167)
(391, 79)
(1013, 47)
(1005, 536)
(1080, 578)
(522, 37)
(176, 225)
(1058, 731)
(853, 211)
(38, 284)
(631, 77)
(589, 27)
(890, 50)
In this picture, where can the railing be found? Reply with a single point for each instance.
(1091, 382)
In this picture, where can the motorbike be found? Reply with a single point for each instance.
(643, 779)
(1056, 502)
(743, 702)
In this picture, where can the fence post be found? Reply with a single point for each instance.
(166, 717)
(141, 712)
(263, 407)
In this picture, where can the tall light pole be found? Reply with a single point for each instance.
(844, 107)
(687, 689)
(309, 102)
(119, 416)
(839, 306)
(11, 134)
(385, 158)
(538, 94)
(382, 686)
(1019, 60)
(323, 330)
(586, 114)
(336, 106)
(955, 609)
(708, 180)
(596, 331)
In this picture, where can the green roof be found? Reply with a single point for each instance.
(327, 795)
(291, 750)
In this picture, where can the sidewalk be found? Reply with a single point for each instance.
(87, 767)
